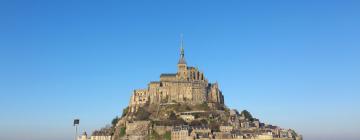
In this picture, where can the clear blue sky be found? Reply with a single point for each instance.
(295, 64)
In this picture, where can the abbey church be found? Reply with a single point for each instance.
(187, 85)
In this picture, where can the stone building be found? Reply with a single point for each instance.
(102, 134)
(101, 137)
(188, 85)
(188, 118)
(83, 136)
(181, 133)
(226, 128)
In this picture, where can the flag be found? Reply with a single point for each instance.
(76, 122)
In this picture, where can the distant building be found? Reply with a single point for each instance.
(187, 118)
(83, 136)
(102, 134)
(181, 133)
(222, 135)
(100, 138)
(226, 128)
(266, 136)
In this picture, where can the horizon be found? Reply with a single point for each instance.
(291, 64)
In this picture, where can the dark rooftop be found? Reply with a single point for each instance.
(168, 74)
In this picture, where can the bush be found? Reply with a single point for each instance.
(172, 116)
(114, 121)
(154, 136)
(203, 106)
(122, 131)
(167, 135)
(198, 122)
(125, 111)
(246, 114)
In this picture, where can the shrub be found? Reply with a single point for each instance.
(246, 114)
(125, 111)
(167, 135)
(172, 116)
(114, 121)
(154, 136)
(122, 131)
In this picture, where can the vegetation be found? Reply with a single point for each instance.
(122, 131)
(154, 136)
(169, 122)
(125, 111)
(172, 116)
(227, 110)
(142, 114)
(180, 107)
(167, 135)
(246, 114)
(202, 106)
(221, 107)
(114, 121)
(199, 122)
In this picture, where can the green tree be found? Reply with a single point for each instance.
(125, 111)
(172, 116)
(246, 114)
(114, 121)
(122, 131)
(154, 136)
(167, 135)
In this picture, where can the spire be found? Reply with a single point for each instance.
(182, 55)
(181, 46)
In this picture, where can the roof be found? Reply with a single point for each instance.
(200, 127)
(182, 61)
(168, 74)
(181, 127)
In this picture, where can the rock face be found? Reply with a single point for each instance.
(185, 106)
(137, 129)
(188, 85)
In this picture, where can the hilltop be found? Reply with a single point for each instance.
(185, 106)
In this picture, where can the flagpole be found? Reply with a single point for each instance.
(76, 131)
(76, 124)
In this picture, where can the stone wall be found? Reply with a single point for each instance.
(161, 130)
(137, 128)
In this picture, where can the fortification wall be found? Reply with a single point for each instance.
(161, 130)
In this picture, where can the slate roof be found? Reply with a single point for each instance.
(168, 74)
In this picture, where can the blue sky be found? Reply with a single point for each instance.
(295, 64)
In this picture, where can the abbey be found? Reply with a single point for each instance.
(187, 85)
(185, 106)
